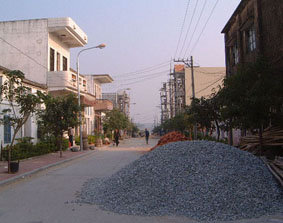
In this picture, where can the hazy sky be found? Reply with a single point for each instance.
(141, 35)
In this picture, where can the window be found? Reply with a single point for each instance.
(58, 61)
(235, 52)
(1, 82)
(65, 63)
(52, 57)
(251, 39)
(7, 129)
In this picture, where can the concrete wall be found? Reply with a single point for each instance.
(205, 78)
(31, 38)
(59, 47)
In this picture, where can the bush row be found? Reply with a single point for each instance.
(25, 148)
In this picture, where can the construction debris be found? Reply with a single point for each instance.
(271, 151)
(270, 137)
(276, 167)
(170, 137)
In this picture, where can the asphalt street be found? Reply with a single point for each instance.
(48, 196)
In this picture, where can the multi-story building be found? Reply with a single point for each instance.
(93, 115)
(206, 80)
(40, 48)
(120, 100)
(29, 129)
(165, 102)
(254, 29)
(176, 94)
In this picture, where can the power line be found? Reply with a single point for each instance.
(148, 75)
(205, 26)
(208, 86)
(202, 10)
(144, 70)
(23, 53)
(182, 28)
(146, 79)
(189, 27)
(32, 59)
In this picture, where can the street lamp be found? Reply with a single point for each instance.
(100, 46)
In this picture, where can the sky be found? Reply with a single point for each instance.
(142, 37)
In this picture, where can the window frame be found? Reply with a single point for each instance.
(51, 59)
(7, 130)
(250, 35)
(58, 61)
(65, 63)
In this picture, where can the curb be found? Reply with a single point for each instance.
(12, 179)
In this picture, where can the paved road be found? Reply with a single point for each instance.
(47, 197)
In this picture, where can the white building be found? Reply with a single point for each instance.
(30, 127)
(40, 48)
(93, 115)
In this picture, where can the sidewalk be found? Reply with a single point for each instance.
(34, 164)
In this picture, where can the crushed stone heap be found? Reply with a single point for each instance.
(198, 179)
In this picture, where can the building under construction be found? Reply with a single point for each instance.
(173, 93)
(177, 93)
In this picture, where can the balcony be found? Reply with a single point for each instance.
(67, 31)
(103, 105)
(65, 82)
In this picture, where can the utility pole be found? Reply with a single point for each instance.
(190, 63)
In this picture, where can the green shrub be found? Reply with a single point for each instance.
(91, 139)
(65, 144)
(77, 140)
(25, 149)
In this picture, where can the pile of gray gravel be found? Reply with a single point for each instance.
(200, 179)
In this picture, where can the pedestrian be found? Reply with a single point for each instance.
(70, 134)
(146, 135)
(117, 136)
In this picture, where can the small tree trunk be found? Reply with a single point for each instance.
(10, 148)
(260, 139)
(231, 137)
(218, 130)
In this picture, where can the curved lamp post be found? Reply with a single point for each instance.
(100, 46)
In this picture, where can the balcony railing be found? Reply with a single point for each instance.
(103, 105)
(62, 80)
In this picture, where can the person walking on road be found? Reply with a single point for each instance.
(146, 135)
(117, 136)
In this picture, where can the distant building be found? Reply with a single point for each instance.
(176, 94)
(255, 29)
(206, 80)
(120, 100)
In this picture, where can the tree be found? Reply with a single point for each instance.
(21, 104)
(181, 122)
(60, 114)
(115, 119)
(250, 97)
